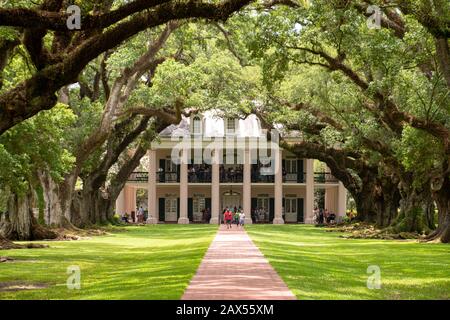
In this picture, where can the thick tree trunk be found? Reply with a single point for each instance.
(388, 202)
(442, 198)
(429, 214)
(91, 206)
(412, 217)
(365, 207)
(365, 200)
(58, 200)
(443, 57)
(20, 223)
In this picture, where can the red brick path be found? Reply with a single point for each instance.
(234, 269)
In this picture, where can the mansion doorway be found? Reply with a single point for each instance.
(231, 199)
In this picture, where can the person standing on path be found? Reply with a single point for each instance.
(228, 217)
(242, 218)
(236, 218)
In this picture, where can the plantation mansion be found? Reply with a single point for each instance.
(207, 163)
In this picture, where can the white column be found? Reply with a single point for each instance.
(184, 188)
(309, 201)
(120, 203)
(278, 217)
(247, 187)
(215, 188)
(153, 216)
(342, 200)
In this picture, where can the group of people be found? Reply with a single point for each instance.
(235, 215)
(231, 174)
(137, 216)
(200, 173)
(206, 215)
(259, 215)
(323, 216)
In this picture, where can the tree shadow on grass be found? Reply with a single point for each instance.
(317, 264)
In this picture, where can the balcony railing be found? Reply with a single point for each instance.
(167, 176)
(294, 177)
(263, 178)
(324, 177)
(199, 173)
(232, 175)
(138, 177)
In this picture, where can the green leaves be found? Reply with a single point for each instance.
(37, 143)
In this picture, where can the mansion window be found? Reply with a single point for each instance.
(291, 166)
(230, 126)
(196, 125)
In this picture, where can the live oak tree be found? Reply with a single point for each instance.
(59, 54)
(34, 144)
(373, 75)
(373, 104)
(92, 158)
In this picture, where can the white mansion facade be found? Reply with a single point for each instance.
(207, 163)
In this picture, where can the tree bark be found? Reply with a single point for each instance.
(443, 57)
(58, 199)
(20, 223)
(38, 92)
(411, 217)
(442, 198)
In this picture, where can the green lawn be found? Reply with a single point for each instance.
(316, 264)
(151, 262)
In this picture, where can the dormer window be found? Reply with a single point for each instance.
(196, 125)
(231, 125)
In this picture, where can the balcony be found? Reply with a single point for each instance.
(199, 173)
(262, 174)
(294, 177)
(324, 177)
(167, 177)
(138, 177)
(232, 174)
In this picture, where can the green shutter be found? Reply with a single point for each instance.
(162, 209)
(253, 207)
(300, 211)
(271, 209)
(190, 209)
(300, 175)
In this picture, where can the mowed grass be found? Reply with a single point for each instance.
(316, 264)
(151, 262)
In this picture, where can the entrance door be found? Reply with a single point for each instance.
(231, 201)
(198, 205)
(171, 210)
(290, 209)
(263, 209)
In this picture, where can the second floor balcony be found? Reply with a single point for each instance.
(324, 177)
(167, 176)
(232, 174)
(202, 173)
(199, 173)
(138, 176)
(294, 177)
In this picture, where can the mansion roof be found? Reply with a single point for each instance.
(214, 125)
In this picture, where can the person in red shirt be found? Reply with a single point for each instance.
(228, 217)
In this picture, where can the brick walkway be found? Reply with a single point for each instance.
(234, 269)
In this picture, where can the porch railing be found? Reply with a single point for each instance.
(138, 177)
(295, 177)
(324, 177)
(232, 175)
(167, 176)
